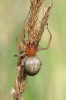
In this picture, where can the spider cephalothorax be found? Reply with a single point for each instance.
(28, 63)
(31, 49)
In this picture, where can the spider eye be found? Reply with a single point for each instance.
(31, 46)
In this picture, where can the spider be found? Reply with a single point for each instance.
(29, 47)
(28, 62)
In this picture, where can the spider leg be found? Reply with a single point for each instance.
(48, 45)
(25, 21)
(23, 61)
(23, 54)
(24, 30)
(20, 55)
(22, 40)
(23, 37)
(17, 43)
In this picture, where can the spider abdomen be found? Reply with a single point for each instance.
(32, 65)
(31, 49)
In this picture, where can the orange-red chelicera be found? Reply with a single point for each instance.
(31, 49)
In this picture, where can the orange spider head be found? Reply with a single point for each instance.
(31, 49)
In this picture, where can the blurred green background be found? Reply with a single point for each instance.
(50, 82)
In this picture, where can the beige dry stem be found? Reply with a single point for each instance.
(34, 31)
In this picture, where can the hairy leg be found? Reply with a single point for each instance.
(48, 45)
(17, 43)
(24, 30)
(20, 55)
(23, 37)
